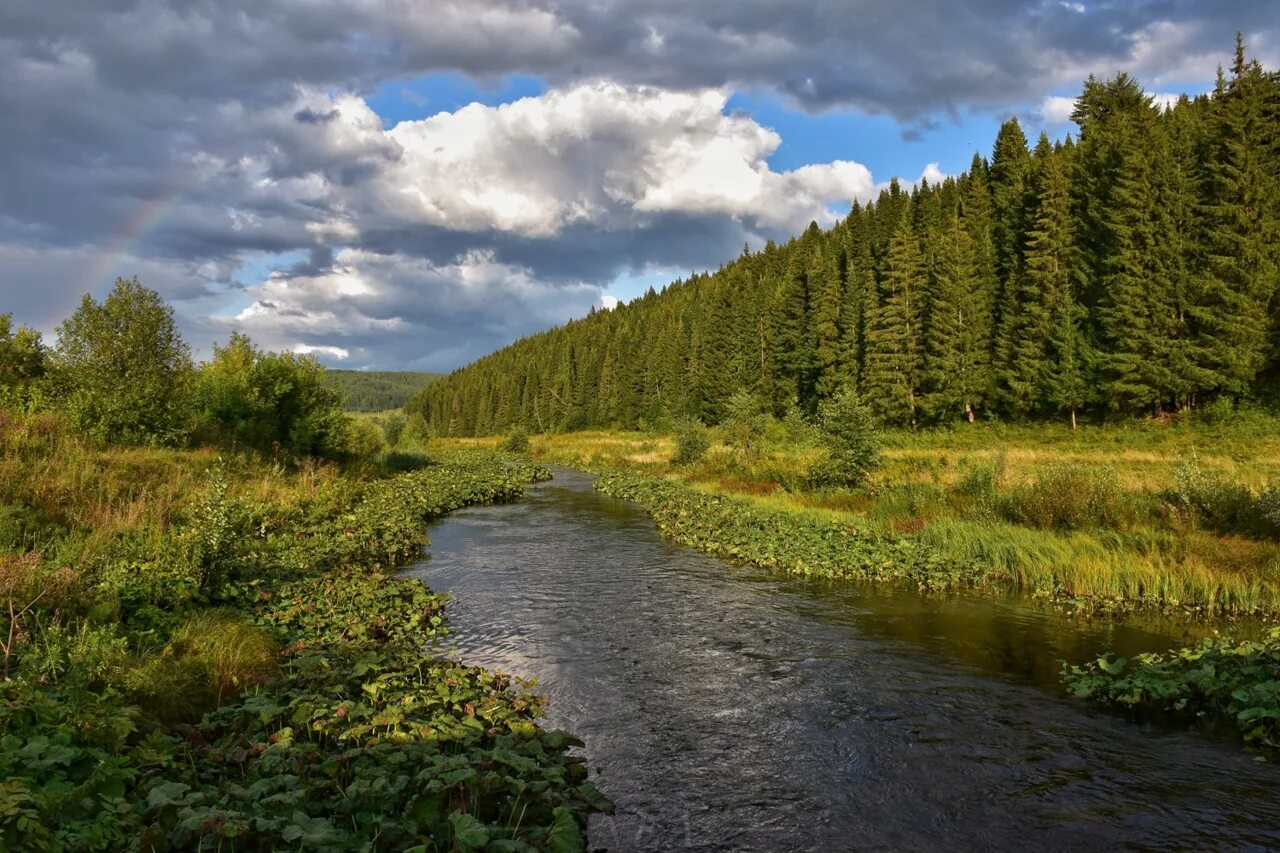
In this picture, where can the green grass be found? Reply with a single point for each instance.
(1086, 515)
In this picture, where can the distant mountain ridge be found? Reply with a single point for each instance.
(377, 390)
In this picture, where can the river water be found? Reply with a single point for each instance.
(725, 708)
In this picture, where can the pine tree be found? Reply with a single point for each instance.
(827, 318)
(791, 356)
(1137, 313)
(1044, 289)
(1010, 165)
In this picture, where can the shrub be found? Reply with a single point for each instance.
(798, 430)
(852, 440)
(393, 426)
(692, 442)
(517, 440)
(245, 396)
(1068, 496)
(363, 439)
(1225, 505)
(744, 424)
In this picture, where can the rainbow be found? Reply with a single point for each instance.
(137, 226)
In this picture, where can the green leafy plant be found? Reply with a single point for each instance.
(853, 443)
(1218, 678)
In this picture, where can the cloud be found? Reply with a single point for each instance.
(599, 153)
(1056, 109)
(333, 352)
(431, 316)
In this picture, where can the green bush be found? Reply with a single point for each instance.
(1068, 496)
(124, 371)
(744, 424)
(363, 440)
(692, 442)
(1224, 505)
(265, 400)
(517, 441)
(852, 440)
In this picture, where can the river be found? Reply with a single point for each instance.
(726, 708)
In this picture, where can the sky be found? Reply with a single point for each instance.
(410, 184)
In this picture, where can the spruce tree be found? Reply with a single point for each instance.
(1238, 278)
(958, 338)
(1044, 289)
(894, 357)
(827, 317)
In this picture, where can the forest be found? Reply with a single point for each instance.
(1128, 270)
(376, 390)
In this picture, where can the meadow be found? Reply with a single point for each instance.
(1140, 514)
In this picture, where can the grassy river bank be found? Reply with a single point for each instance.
(1174, 517)
(215, 653)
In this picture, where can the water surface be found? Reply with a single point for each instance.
(725, 708)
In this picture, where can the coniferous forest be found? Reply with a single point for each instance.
(1128, 269)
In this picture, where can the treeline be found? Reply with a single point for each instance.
(1129, 270)
(376, 390)
(121, 374)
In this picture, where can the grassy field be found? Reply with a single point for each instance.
(1137, 514)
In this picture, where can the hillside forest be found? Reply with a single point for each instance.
(1129, 269)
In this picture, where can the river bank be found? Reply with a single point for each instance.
(728, 707)
(216, 653)
(932, 519)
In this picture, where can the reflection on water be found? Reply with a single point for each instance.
(727, 708)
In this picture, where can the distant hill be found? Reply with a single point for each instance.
(377, 390)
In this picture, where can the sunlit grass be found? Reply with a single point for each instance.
(1138, 555)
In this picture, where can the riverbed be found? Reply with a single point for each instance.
(728, 708)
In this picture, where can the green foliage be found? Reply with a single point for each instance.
(249, 398)
(744, 424)
(1225, 505)
(23, 362)
(517, 441)
(124, 369)
(1068, 496)
(1131, 272)
(1219, 678)
(308, 707)
(796, 544)
(852, 438)
(692, 442)
(376, 390)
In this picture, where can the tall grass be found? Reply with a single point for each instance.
(1101, 512)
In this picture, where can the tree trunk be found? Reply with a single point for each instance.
(968, 410)
(1073, 419)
